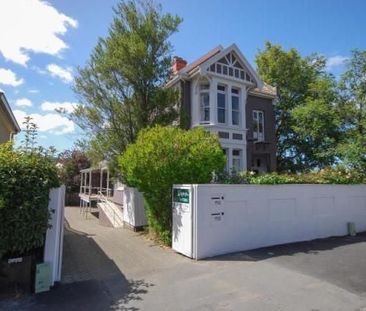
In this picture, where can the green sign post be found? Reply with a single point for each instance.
(181, 196)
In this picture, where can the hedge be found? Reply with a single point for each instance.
(331, 175)
(25, 181)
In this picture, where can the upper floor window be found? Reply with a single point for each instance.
(204, 103)
(235, 109)
(221, 104)
(258, 125)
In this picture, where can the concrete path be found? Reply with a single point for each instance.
(116, 269)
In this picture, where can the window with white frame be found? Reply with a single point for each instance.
(204, 103)
(235, 107)
(258, 125)
(236, 159)
(221, 104)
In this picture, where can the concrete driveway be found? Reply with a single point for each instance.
(116, 269)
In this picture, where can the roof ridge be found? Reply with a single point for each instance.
(191, 66)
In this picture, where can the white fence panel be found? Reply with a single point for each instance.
(230, 218)
(133, 208)
(54, 235)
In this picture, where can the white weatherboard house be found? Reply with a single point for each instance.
(223, 93)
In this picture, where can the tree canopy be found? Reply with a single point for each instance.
(121, 87)
(307, 124)
(352, 108)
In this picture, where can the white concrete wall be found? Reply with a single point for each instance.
(133, 207)
(253, 216)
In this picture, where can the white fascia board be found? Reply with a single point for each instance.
(8, 109)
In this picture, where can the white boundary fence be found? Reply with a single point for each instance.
(219, 219)
(55, 234)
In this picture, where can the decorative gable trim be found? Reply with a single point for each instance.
(238, 64)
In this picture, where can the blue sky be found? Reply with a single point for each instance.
(44, 42)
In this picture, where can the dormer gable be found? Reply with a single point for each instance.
(231, 63)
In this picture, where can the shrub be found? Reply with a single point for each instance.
(163, 156)
(25, 181)
(330, 175)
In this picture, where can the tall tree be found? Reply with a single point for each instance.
(121, 87)
(306, 119)
(352, 108)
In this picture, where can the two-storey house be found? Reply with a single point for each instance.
(221, 92)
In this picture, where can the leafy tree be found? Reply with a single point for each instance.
(163, 156)
(120, 87)
(352, 108)
(70, 162)
(306, 118)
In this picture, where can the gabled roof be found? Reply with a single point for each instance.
(10, 115)
(213, 56)
(194, 65)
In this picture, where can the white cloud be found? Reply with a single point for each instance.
(33, 91)
(52, 123)
(336, 61)
(8, 77)
(65, 74)
(23, 102)
(31, 26)
(63, 106)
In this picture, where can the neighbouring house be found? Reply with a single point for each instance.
(8, 124)
(221, 92)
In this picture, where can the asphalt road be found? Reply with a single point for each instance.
(116, 269)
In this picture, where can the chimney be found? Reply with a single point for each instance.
(178, 64)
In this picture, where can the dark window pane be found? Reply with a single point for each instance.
(237, 136)
(235, 91)
(235, 118)
(207, 114)
(221, 100)
(221, 115)
(223, 60)
(235, 102)
(224, 70)
(221, 88)
(237, 65)
(236, 152)
(212, 68)
(224, 135)
(247, 77)
(230, 71)
(242, 75)
(218, 68)
(236, 73)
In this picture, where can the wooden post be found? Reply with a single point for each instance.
(101, 181)
(107, 182)
(90, 182)
(85, 177)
